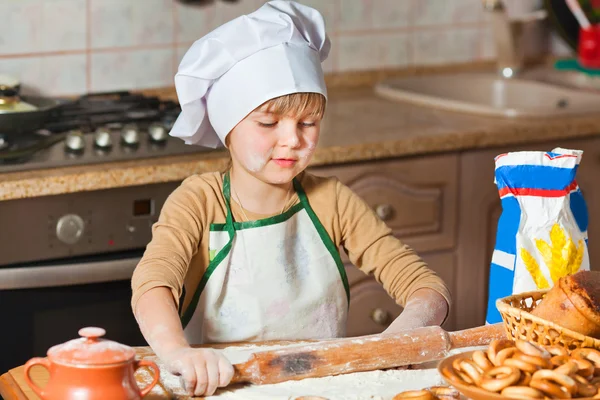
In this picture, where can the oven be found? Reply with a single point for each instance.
(66, 262)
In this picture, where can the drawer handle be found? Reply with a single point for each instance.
(384, 211)
(380, 316)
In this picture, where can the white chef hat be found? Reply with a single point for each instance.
(274, 51)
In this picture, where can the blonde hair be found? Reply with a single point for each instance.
(296, 105)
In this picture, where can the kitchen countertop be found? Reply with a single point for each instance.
(14, 387)
(359, 126)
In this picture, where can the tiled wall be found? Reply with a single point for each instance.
(60, 47)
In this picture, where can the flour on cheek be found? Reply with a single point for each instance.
(255, 161)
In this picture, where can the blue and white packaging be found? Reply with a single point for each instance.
(542, 231)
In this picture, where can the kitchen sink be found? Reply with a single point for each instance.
(537, 93)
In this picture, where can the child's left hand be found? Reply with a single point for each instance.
(425, 307)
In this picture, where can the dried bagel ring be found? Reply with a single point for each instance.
(456, 364)
(557, 351)
(524, 380)
(504, 354)
(495, 346)
(452, 376)
(540, 362)
(471, 369)
(562, 380)
(414, 395)
(465, 378)
(568, 368)
(584, 387)
(445, 392)
(586, 368)
(557, 361)
(521, 365)
(551, 389)
(481, 359)
(499, 378)
(592, 355)
(522, 392)
(532, 349)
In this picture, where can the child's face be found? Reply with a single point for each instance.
(273, 147)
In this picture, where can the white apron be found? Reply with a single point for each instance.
(275, 278)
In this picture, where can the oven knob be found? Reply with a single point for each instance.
(157, 132)
(69, 228)
(130, 135)
(102, 138)
(75, 141)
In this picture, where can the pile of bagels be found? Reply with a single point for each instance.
(524, 370)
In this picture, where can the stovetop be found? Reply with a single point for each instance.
(97, 128)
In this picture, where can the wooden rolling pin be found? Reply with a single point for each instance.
(364, 353)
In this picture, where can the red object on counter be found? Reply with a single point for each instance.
(91, 368)
(589, 46)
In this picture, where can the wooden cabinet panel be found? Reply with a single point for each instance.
(416, 197)
(372, 309)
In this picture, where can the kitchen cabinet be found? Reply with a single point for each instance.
(428, 188)
(446, 207)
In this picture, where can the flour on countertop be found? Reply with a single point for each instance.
(371, 385)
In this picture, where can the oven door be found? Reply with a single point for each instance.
(45, 304)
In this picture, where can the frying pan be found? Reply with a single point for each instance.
(18, 122)
(23, 114)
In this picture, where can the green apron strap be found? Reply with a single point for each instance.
(227, 196)
(324, 236)
(189, 312)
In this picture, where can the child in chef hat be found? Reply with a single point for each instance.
(251, 254)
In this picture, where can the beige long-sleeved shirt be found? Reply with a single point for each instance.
(178, 252)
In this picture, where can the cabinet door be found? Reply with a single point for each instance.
(372, 309)
(416, 197)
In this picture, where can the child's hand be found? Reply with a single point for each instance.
(425, 307)
(201, 370)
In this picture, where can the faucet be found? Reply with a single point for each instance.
(508, 36)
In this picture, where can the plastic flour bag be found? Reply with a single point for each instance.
(542, 231)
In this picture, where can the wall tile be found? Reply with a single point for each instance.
(327, 8)
(453, 46)
(21, 30)
(111, 23)
(193, 21)
(139, 43)
(136, 69)
(153, 22)
(64, 74)
(388, 14)
(359, 52)
(64, 25)
(226, 11)
(435, 12)
(48, 75)
(28, 70)
(354, 15)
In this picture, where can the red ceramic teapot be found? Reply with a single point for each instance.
(91, 368)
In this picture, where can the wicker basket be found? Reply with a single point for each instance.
(521, 324)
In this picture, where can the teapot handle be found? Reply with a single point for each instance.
(35, 361)
(152, 365)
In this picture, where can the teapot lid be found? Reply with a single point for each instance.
(91, 350)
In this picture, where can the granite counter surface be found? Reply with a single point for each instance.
(359, 126)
